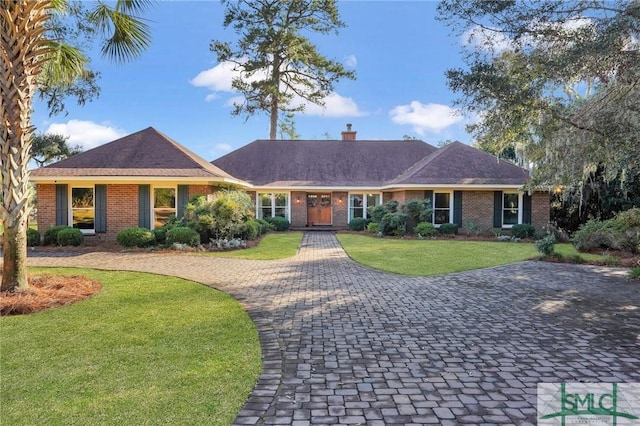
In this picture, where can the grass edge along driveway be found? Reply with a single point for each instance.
(432, 257)
(147, 349)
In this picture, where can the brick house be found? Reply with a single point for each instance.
(141, 179)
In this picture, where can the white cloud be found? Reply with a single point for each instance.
(223, 147)
(335, 105)
(351, 61)
(218, 79)
(87, 134)
(486, 39)
(425, 117)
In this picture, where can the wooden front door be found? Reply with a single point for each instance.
(318, 209)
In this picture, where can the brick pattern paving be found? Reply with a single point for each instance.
(344, 344)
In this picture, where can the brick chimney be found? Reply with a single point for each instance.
(349, 135)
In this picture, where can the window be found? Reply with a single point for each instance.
(273, 204)
(360, 203)
(82, 212)
(164, 205)
(510, 209)
(441, 208)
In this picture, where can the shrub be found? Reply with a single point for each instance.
(378, 212)
(546, 245)
(33, 237)
(629, 222)
(634, 273)
(393, 224)
(264, 226)
(373, 227)
(279, 223)
(51, 234)
(426, 229)
(160, 234)
(183, 235)
(448, 228)
(358, 224)
(222, 217)
(136, 237)
(418, 210)
(252, 229)
(70, 237)
(472, 227)
(596, 234)
(523, 230)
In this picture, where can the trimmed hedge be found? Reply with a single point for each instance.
(183, 235)
(70, 237)
(523, 230)
(448, 228)
(51, 234)
(373, 228)
(426, 229)
(33, 237)
(280, 223)
(135, 237)
(358, 224)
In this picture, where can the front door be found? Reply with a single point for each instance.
(318, 209)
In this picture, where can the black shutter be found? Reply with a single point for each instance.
(497, 209)
(526, 209)
(183, 199)
(428, 195)
(457, 208)
(100, 205)
(62, 204)
(144, 206)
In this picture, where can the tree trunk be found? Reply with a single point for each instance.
(275, 97)
(21, 50)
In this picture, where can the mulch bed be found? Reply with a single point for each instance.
(47, 291)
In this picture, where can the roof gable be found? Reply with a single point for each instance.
(322, 162)
(458, 163)
(144, 153)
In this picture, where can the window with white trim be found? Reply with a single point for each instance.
(164, 205)
(511, 211)
(270, 204)
(442, 207)
(82, 211)
(360, 203)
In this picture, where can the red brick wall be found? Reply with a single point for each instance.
(200, 190)
(46, 204)
(540, 210)
(122, 209)
(298, 209)
(477, 207)
(340, 206)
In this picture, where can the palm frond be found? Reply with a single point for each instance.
(62, 64)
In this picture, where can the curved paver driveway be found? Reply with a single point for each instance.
(344, 344)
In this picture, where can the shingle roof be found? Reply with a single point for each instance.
(458, 163)
(322, 162)
(144, 153)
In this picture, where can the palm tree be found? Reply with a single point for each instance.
(31, 56)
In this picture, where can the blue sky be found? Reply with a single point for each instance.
(398, 50)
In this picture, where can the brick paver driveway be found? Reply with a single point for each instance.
(344, 344)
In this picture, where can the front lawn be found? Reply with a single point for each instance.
(432, 257)
(147, 349)
(272, 246)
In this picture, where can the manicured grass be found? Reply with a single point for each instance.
(272, 246)
(567, 249)
(432, 257)
(146, 350)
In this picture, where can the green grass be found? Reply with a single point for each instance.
(568, 250)
(272, 246)
(432, 257)
(146, 350)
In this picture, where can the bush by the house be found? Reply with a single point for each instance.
(135, 237)
(523, 230)
(280, 223)
(448, 229)
(426, 229)
(358, 224)
(546, 245)
(599, 234)
(417, 211)
(70, 237)
(373, 228)
(252, 229)
(264, 226)
(33, 237)
(222, 217)
(389, 218)
(183, 235)
(51, 234)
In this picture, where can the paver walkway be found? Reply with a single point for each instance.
(344, 344)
